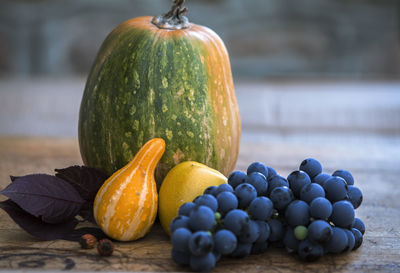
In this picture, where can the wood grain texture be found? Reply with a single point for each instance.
(374, 164)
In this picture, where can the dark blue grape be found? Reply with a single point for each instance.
(202, 263)
(201, 218)
(359, 224)
(261, 208)
(227, 201)
(225, 241)
(245, 193)
(242, 250)
(236, 178)
(358, 238)
(311, 191)
(223, 188)
(346, 175)
(207, 200)
(290, 241)
(249, 233)
(297, 180)
(178, 222)
(321, 208)
(276, 181)
(281, 197)
(210, 190)
(265, 231)
(309, 251)
(180, 239)
(319, 231)
(236, 220)
(181, 257)
(321, 178)
(259, 182)
(271, 173)
(335, 189)
(201, 243)
(355, 196)
(259, 248)
(338, 241)
(342, 214)
(186, 208)
(277, 230)
(298, 213)
(257, 167)
(311, 166)
(351, 240)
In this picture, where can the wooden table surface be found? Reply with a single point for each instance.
(374, 162)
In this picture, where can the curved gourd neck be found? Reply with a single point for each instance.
(174, 19)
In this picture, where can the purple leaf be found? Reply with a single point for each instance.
(86, 180)
(45, 196)
(14, 177)
(34, 226)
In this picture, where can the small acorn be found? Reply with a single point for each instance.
(87, 241)
(105, 247)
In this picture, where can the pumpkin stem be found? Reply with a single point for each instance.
(174, 18)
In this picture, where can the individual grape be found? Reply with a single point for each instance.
(210, 190)
(257, 167)
(259, 182)
(245, 193)
(181, 257)
(179, 222)
(207, 200)
(320, 208)
(338, 241)
(200, 243)
(300, 232)
(222, 188)
(335, 189)
(277, 230)
(259, 248)
(186, 208)
(358, 238)
(309, 251)
(261, 208)
(290, 241)
(265, 231)
(346, 175)
(235, 220)
(276, 181)
(201, 218)
(202, 263)
(319, 231)
(180, 239)
(311, 191)
(242, 250)
(281, 197)
(225, 241)
(297, 180)
(321, 178)
(236, 178)
(297, 213)
(342, 214)
(311, 166)
(249, 233)
(271, 173)
(351, 240)
(227, 201)
(359, 224)
(355, 196)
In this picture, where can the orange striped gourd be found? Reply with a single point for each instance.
(125, 207)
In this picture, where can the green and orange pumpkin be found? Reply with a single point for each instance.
(160, 77)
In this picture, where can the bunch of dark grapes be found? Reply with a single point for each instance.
(309, 213)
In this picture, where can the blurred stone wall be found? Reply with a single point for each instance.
(265, 38)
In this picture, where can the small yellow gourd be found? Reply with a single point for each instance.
(125, 207)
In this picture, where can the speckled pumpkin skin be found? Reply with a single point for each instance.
(148, 82)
